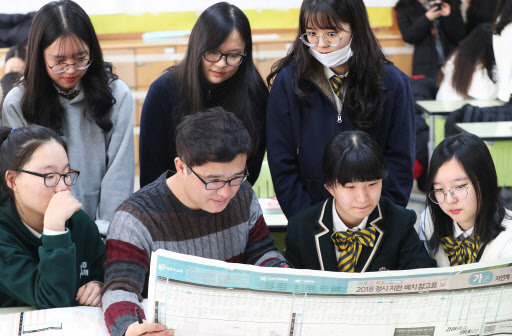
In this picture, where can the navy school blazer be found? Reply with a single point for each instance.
(297, 134)
(397, 247)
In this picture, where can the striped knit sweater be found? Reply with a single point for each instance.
(154, 218)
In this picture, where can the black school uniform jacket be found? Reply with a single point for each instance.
(397, 246)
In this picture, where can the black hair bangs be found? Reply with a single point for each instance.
(359, 167)
(321, 17)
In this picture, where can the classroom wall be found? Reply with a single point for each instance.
(134, 16)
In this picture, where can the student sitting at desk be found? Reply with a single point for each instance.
(465, 220)
(206, 208)
(357, 229)
(468, 72)
(51, 254)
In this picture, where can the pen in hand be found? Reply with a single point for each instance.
(139, 318)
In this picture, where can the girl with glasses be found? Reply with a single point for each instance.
(465, 220)
(67, 87)
(356, 229)
(218, 70)
(51, 253)
(336, 78)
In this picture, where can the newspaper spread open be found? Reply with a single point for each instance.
(197, 296)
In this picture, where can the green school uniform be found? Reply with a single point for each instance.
(47, 272)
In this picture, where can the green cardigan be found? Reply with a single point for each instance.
(46, 272)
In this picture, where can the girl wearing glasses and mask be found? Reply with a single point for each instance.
(336, 78)
(465, 220)
(69, 88)
(217, 70)
(51, 254)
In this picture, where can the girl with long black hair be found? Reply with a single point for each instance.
(468, 72)
(218, 70)
(67, 87)
(335, 78)
(465, 220)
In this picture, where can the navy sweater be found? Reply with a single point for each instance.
(157, 147)
(297, 134)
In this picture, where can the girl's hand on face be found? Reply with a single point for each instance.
(60, 208)
(90, 294)
(433, 13)
(445, 9)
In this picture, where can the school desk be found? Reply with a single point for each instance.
(498, 137)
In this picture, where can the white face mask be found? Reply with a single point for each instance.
(335, 58)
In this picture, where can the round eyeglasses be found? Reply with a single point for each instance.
(214, 185)
(52, 179)
(232, 59)
(312, 40)
(79, 65)
(458, 192)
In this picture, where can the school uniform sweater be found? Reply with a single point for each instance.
(298, 132)
(501, 45)
(397, 246)
(157, 149)
(47, 272)
(153, 218)
(105, 159)
(497, 249)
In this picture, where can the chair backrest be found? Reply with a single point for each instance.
(263, 186)
(470, 113)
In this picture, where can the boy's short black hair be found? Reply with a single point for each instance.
(215, 135)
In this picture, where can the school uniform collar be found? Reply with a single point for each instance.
(78, 87)
(319, 78)
(457, 231)
(325, 246)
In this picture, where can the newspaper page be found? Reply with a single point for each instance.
(197, 296)
(72, 321)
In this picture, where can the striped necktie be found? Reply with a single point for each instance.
(461, 250)
(349, 244)
(336, 84)
(70, 96)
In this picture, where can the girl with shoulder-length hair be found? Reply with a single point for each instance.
(356, 217)
(501, 41)
(218, 70)
(468, 72)
(51, 253)
(68, 87)
(465, 220)
(335, 78)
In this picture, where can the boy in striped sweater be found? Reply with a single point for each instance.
(206, 208)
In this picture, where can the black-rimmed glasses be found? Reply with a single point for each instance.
(459, 192)
(52, 179)
(79, 65)
(312, 40)
(214, 185)
(232, 59)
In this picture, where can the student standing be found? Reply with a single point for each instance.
(217, 70)
(465, 220)
(203, 208)
(434, 31)
(356, 229)
(468, 73)
(68, 87)
(51, 254)
(335, 78)
(502, 40)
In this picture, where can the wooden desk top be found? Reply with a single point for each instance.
(490, 131)
(437, 107)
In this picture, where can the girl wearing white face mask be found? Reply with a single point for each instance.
(335, 78)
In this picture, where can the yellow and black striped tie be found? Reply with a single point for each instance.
(461, 251)
(336, 83)
(349, 244)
